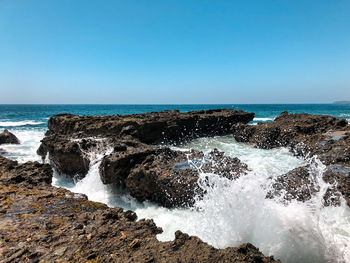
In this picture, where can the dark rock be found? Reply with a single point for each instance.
(155, 127)
(164, 176)
(8, 137)
(32, 173)
(49, 224)
(297, 184)
(71, 137)
(305, 135)
(65, 155)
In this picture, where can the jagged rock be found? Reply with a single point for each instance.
(306, 135)
(302, 183)
(32, 173)
(339, 174)
(155, 127)
(42, 223)
(8, 137)
(297, 184)
(287, 130)
(65, 155)
(71, 136)
(164, 176)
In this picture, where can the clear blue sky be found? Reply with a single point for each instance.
(172, 51)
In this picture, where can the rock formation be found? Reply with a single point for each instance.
(306, 136)
(150, 128)
(42, 223)
(164, 176)
(8, 137)
(147, 171)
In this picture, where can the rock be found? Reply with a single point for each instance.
(65, 155)
(164, 176)
(305, 135)
(32, 173)
(42, 223)
(286, 130)
(155, 127)
(297, 184)
(8, 137)
(71, 138)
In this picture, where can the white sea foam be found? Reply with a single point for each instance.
(263, 119)
(26, 150)
(234, 212)
(19, 123)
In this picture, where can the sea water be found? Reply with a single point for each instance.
(232, 212)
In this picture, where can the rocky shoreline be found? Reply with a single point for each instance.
(306, 135)
(135, 160)
(42, 223)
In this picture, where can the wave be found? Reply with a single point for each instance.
(19, 123)
(263, 119)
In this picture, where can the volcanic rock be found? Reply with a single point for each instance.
(305, 135)
(8, 137)
(66, 155)
(71, 138)
(155, 127)
(42, 223)
(164, 176)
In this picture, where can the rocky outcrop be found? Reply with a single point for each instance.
(65, 155)
(41, 223)
(8, 137)
(164, 176)
(289, 130)
(30, 173)
(150, 128)
(305, 135)
(148, 171)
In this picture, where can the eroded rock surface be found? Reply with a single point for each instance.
(41, 223)
(148, 171)
(306, 135)
(164, 176)
(155, 127)
(8, 137)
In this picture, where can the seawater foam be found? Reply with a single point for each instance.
(26, 150)
(235, 212)
(263, 119)
(19, 123)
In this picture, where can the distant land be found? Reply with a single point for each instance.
(342, 102)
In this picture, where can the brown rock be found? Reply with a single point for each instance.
(164, 176)
(58, 224)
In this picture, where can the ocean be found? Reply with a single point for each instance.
(232, 212)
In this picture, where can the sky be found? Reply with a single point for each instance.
(174, 51)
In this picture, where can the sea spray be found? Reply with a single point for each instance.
(235, 212)
(26, 150)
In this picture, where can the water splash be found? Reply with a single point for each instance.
(26, 150)
(234, 212)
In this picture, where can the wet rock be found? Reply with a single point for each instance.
(32, 173)
(42, 223)
(339, 174)
(8, 137)
(155, 127)
(71, 138)
(65, 155)
(297, 184)
(164, 176)
(305, 135)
